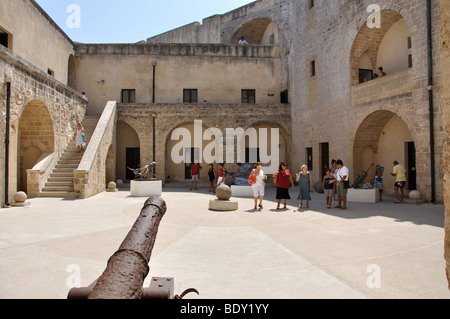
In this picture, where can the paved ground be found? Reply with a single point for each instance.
(381, 250)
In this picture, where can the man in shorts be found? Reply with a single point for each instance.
(400, 173)
(342, 178)
(195, 172)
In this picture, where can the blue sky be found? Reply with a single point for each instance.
(119, 21)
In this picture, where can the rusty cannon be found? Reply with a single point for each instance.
(127, 269)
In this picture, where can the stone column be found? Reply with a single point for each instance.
(445, 82)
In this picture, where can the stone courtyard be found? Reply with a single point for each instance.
(380, 250)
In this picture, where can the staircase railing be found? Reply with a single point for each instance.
(90, 176)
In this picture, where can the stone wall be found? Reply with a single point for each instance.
(445, 69)
(221, 116)
(42, 113)
(331, 106)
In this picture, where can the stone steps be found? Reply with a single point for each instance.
(60, 182)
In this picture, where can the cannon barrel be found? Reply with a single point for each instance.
(127, 269)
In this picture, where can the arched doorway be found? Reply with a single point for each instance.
(35, 138)
(389, 46)
(382, 138)
(128, 151)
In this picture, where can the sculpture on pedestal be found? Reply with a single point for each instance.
(143, 174)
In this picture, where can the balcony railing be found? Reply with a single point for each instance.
(382, 88)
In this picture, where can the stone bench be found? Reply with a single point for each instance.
(363, 195)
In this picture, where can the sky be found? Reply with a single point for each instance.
(119, 21)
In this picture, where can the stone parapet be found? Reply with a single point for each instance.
(386, 87)
(181, 49)
(90, 177)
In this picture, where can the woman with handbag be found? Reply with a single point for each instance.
(256, 179)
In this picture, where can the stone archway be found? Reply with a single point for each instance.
(35, 137)
(381, 138)
(374, 46)
(257, 32)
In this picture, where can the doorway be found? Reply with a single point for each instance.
(411, 162)
(324, 157)
(133, 160)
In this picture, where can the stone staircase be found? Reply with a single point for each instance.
(60, 182)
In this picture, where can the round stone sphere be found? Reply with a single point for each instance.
(119, 183)
(20, 197)
(415, 195)
(318, 187)
(223, 192)
(112, 185)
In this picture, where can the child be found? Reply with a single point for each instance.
(328, 183)
(378, 181)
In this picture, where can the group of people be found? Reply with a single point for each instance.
(335, 182)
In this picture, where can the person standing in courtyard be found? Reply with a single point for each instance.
(256, 179)
(212, 178)
(221, 178)
(378, 181)
(305, 186)
(283, 178)
(328, 186)
(342, 179)
(400, 182)
(195, 173)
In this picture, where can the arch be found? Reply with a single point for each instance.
(258, 31)
(378, 45)
(72, 74)
(178, 172)
(35, 137)
(380, 139)
(109, 165)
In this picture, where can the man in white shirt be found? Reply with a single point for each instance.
(242, 41)
(342, 175)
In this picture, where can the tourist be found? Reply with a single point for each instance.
(283, 178)
(79, 137)
(212, 178)
(195, 172)
(328, 187)
(342, 184)
(258, 184)
(378, 181)
(400, 173)
(381, 73)
(305, 186)
(220, 180)
(242, 41)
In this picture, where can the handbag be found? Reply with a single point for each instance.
(252, 178)
(346, 184)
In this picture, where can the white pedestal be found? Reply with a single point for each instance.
(363, 195)
(145, 188)
(242, 191)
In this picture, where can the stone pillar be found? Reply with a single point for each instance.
(445, 82)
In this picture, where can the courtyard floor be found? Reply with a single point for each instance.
(376, 250)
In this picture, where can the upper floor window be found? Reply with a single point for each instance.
(5, 39)
(248, 96)
(128, 96)
(190, 96)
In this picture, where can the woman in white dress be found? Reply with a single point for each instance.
(79, 138)
(258, 187)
